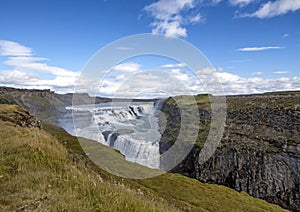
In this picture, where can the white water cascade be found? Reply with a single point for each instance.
(131, 128)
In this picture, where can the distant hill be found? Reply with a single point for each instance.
(44, 168)
(45, 104)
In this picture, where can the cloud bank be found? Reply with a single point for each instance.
(129, 79)
(253, 49)
(27, 71)
(176, 79)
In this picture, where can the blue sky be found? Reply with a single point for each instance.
(254, 45)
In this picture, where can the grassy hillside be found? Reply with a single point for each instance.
(36, 173)
(46, 169)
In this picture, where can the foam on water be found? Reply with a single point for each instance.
(131, 128)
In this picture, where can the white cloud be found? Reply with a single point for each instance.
(256, 73)
(195, 19)
(169, 29)
(164, 9)
(225, 77)
(24, 79)
(10, 48)
(275, 8)
(120, 77)
(169, 19)
(206, 71)
(109, 87)
(280, 72)
(142, 83)
(285, 35)
(32, 64)
(252, 49)
(127, 67)
(181, 75)
(240, 2)
(234, 84)
(29, 71)
(173, 65)
(174, 81)
(124, 48)
(216, 1)
(18, 77)
(219, 69)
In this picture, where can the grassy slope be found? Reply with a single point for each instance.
(38, 171)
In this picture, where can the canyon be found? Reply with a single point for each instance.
(258, 152)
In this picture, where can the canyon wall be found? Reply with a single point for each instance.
(259, 152)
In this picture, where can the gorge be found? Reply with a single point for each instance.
(260, 149)
(258, 153)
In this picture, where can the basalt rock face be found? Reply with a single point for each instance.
(259, 152)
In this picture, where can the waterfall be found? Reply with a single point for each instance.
(131, 128)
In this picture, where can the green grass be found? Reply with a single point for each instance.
(7, 109)
(189, 194)
(48, 170)
(36, 173)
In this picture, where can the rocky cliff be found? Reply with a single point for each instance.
(45, 104)
(259, 152)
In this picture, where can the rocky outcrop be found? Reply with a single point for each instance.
(16, 115)
(259, 152)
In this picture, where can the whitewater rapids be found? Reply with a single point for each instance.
(132, 128)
